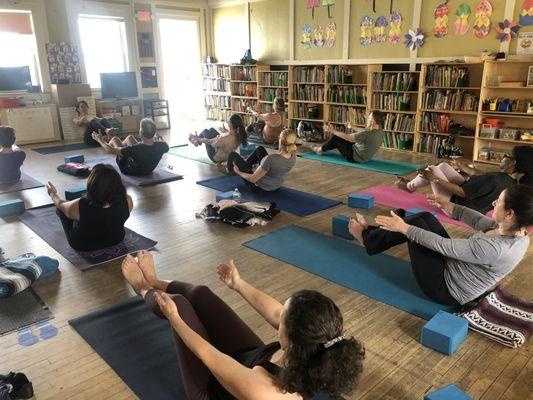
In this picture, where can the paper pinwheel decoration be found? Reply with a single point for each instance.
(507, 30)
(414, 39)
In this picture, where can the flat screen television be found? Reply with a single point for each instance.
(118, 85)
(15, 79)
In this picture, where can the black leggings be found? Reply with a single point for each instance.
(345, 147)
(96, 125)
(247, 166)
(428, 265)
(209, 134)
(256, 128)
(211, 318)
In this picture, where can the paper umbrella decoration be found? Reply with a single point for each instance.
(507, 30)
(414, 39)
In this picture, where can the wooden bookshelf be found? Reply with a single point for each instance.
(217, 95)
(244, 89)
(306, 94)
(270, 85)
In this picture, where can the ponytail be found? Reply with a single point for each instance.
(523, 156)
(287, 140)
(236, 122)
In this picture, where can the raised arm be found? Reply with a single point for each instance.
(116, 151)
(71, 209)
(268, 307)
(472, 218)
(346, 136)
(458, 164)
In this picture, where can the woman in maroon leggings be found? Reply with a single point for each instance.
(222, 358)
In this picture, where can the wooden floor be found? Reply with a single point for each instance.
(396, 367)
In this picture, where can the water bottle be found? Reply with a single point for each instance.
(236, 194)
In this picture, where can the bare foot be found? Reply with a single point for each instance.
(401, 183)
(193, 139)
(111, 132)
(147, 267)
(133, 274)
(356, 229)
(317, 149)
(222, 168)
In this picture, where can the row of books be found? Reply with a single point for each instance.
(338, 74)
(402, 141)
(308, 74)
(216, 85)
(244, 73)
(342, 114)
(399, 122)
(217, 114)
(269, 94)
(216, 71)
(242, 105)
(243, 89)
(395, 81)
(274, 79)
(309, 92)
(266, 107)
(449, 76)
(347, 94)
(433, 122)
(457, 100)
(391, 101)
(217, 101)
(430, 143)
(307, 111)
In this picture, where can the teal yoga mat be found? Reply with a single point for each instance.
(375, 164)
(382, 277)
(192, 153)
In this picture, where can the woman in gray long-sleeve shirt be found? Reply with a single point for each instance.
(457, 271)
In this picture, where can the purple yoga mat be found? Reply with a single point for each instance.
(26, 182)
(159, 175)
(45, 223)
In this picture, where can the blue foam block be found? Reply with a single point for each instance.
(13, 206)
(444, 332)
(449, 392)
(247, 150)
(75, 158)
(360, 200)
(413, 211)
(339, 226)
(73, 194)
(224, 196)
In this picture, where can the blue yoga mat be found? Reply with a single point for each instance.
(137, 345)
(290, 200)
(374, 164)
(382, 277)
(61, 148)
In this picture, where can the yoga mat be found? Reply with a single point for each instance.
(192, 153)
(137, 345)
(382, 277)
(397, 198)
(374, 164)
(290, 200)
(258, 141)
(23, 309)
(46, 224)
(61, 148)
(159, 175)
(26, 182)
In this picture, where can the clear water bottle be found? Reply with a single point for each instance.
(236, 194)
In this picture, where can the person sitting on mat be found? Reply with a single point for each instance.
(89, 124)
(218, 146)
(456, 271)
(96, 220)
(11, 156)
(477, 190)
(270, 173)
(220, 357)
(271, 124)
(134, 158)
(358, 147)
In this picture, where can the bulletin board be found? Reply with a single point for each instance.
(269, 24)
(230, 33)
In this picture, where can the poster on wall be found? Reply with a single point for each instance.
(526, 13)
(380, 34)
(440, 29)
(366, 31)
(63, 62)
(331, 34)
(306, 36)
(462, 25)
(318, 36)
(395, 31)
(482, 22)
(525, 43)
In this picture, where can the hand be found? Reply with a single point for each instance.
(229, 275)
(166, 305)
(440, 202)
(52, 191)
(348, 127)
(97, 136)
(427, 174)
(327, 128)
(223, 128)
(393, 223)
(457, 164)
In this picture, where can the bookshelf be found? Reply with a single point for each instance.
(270, 83)
(306, 94)
(498, 131)
(217, 95)
(244, 89)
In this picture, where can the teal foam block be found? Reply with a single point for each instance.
(13, 206)
(75, 158)
(224, 196)
(73, 194)
(358, 200)
(449, 392)
(247, 150)
(339, 227)
(444, 332)
(413, 211)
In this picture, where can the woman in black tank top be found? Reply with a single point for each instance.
(96, 220)
(222, 358)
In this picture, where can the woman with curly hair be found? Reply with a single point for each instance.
(222, 358)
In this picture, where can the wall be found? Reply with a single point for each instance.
(269, 24)
(230, 33)
(518, 8)
(56, 17)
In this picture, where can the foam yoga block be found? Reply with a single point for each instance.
(444, 332)
(76, 158)
(247, 150)
(73, 194)
(339, 226)
(413, 211)
(224, 196)
(13, 206)
(449, 392)
(360, 200)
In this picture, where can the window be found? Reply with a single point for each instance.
(104, 45)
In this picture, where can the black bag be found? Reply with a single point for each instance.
(247, 58)
(309, 132)
(240, 214)
(15, 385)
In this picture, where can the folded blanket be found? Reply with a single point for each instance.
(19, 274)
(76, 169)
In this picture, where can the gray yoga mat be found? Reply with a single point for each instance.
(23, 309)
(45, 223)
(26, 182)
(62, 148)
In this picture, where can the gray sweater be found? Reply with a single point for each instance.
(476, 264)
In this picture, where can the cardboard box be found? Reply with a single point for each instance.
(67, 95)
